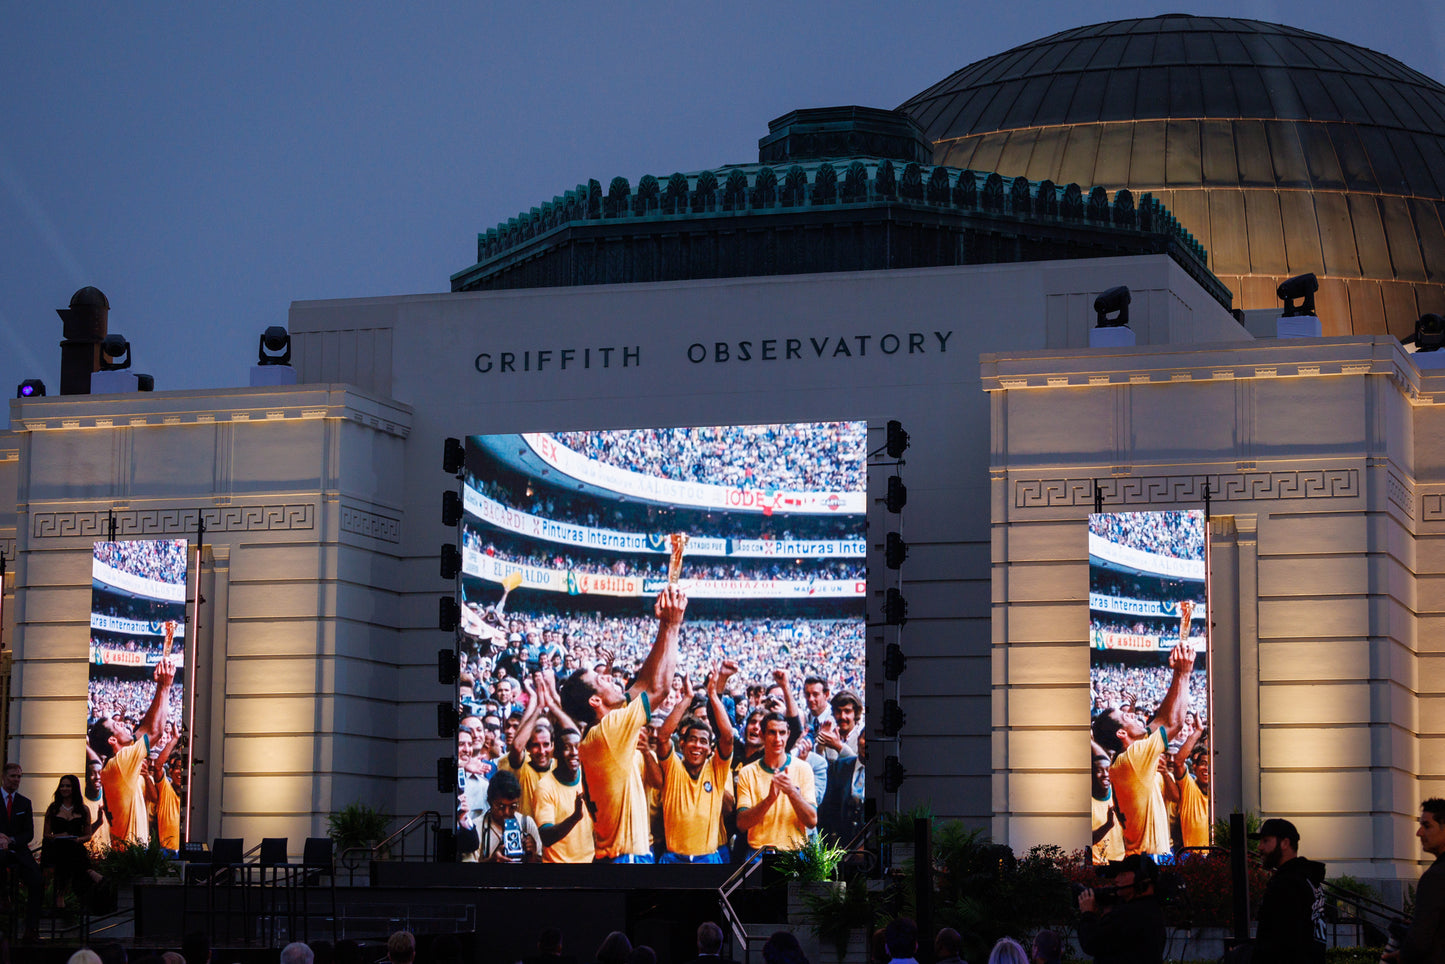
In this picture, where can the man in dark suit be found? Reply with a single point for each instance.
(17, 830)
(709, 944)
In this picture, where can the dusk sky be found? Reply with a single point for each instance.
(205, 167)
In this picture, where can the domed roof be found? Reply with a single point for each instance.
(1283, 150)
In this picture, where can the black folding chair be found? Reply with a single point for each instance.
(317, 860)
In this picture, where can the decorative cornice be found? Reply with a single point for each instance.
(740, 190)
(1355, 355)
(303, 402)
(94, 523)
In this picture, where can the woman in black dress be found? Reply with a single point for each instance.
(67, 829)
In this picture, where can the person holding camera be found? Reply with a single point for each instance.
(503, 835)
(1124, 923)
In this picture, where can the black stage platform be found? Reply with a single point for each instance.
(497, 909)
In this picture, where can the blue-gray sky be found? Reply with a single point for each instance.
(207, 164)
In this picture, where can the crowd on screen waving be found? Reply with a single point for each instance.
(1140, 689)
(1179, 535)
(655, 566)
(128, 700)
(578, 509)
(826, 648)
(161, 560)
(132, 644)
(818, 457)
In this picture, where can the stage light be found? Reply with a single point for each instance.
(897, 496)
(114, 353)
(446, 774)
(448, 614)
(447, 719)
(30, 388)
(145, 383)
(446, 666)
(451, 508)
(895, 608)
(895, 550)
(1113, 302)
(897, 442)
(893, 774)
(1429, 333)
(894, 662)
(893, 718)
(274, 347)
(1301, 286)
(451, 561)
(453, 456)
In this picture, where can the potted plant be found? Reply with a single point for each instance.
(843, 917)
(127, 862)
(357, 825)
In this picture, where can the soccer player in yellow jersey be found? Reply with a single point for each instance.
(695, 780)
(1137, 749)
(123, 754)
(614, 717)
(561, 811)
(776, 794)
(1108, 839)
(536, 737)
(1191, 787)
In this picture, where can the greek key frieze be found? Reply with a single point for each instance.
(173, 522)
(373, 525)
(1167, 489)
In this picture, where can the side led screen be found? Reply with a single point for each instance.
(1148, 618)
(135, 775)
(662, 642)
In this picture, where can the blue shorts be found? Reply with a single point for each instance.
(718, 856)
(628, 859)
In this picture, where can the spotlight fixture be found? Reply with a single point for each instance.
(447, 719)
(894, 718)
(894, 662)
(30, 388)
(446, 774)
(451, 561)
(274, 347)
(1302, 286)
(114, 353)
(893, 774)
(1429, 335)
(897, 442)
(1111, 308)
(451, 508)
(895, 550)
(895, 608)
(897, 496)
(453, 456)
(448, 614)
(446, 666)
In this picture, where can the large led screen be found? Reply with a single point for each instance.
(1148, 618)
(135, 778)
(662, 639)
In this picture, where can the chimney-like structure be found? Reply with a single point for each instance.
(86, 322)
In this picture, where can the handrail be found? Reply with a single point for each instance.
(750, 866)
(351, 857)
(729, 887)
(425, 818)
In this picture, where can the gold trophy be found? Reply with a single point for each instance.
(678, 541)
(1186, 616)
(170, 629)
